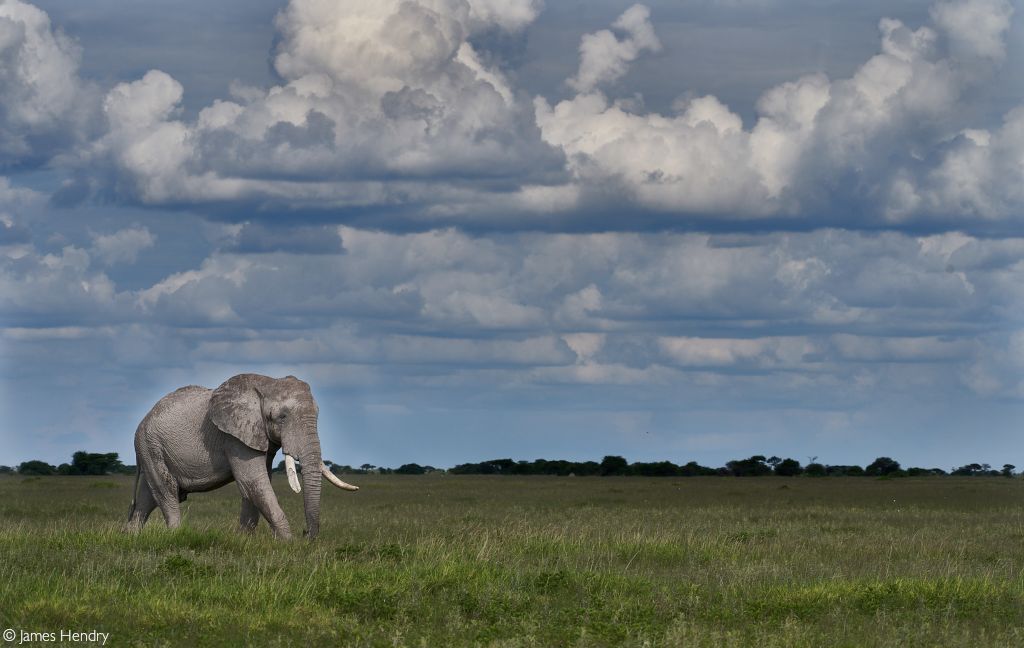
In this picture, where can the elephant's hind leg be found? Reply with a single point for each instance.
(142, 506)
(169, 505)
(164, 488)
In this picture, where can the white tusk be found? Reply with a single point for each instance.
(293, 478)
(331, 477)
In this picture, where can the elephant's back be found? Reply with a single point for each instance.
(178, 407)
(187, 397)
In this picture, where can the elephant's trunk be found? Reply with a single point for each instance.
(311, 462)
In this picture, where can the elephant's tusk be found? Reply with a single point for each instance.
(293, 478)
(331, 477)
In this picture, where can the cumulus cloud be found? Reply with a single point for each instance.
(376, 100)
(817, 143)
(977, 175)
(975, 28)
(397, 107)
(44, 107)
(605, 58)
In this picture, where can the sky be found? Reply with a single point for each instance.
(481, 229)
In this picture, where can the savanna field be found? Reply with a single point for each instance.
(443, 560)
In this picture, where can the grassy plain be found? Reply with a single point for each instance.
(531, 561)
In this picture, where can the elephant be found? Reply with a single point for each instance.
(197, 439)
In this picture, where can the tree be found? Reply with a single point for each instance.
(787, 467)
(694, 469)
(844, 471)
(752, 467)
(36, 467)
(1008, 470)
(655, 469)
(968, 470)
(368, 467)
(882, 466)
(614, 465)
(410, 469)
(925, 472)
(503, 466)
(92, 463)
(6, 470)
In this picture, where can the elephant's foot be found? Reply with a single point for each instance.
(282, 532)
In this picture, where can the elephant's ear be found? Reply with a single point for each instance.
(235, 408)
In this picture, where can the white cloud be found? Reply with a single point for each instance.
(377, 97)
(43, 105)
(817, 142)
(123, 246)
(390, 105)
(605, 58)
(47, 288)
(727, 352)
(998, 367)
(978, 173)
(976, 28)
(584, 345)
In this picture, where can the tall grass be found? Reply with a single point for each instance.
(465, 560)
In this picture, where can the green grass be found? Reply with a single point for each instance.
(504, 561)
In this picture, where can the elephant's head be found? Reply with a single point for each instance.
(262, 412)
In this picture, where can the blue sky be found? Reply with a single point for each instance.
(686, 231)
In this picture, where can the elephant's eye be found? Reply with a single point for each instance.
(283, 416)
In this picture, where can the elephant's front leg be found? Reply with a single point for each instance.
(250, 516)
(250, 470)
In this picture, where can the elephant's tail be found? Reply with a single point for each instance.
(135, 491)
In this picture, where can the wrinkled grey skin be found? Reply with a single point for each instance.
(197, 439)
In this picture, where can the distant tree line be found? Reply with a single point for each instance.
(82, 463)
(89, 463)
(755, 466)
(367, 469)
